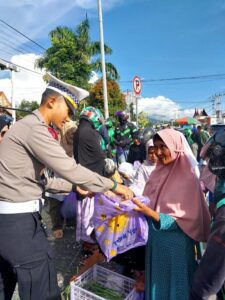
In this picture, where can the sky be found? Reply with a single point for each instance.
(154, 40)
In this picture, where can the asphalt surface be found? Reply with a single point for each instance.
(68, 255)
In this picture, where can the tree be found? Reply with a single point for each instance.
(27, 106)
(116, 99)
(143, 120)
(73, 56)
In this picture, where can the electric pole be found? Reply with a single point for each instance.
(106, 108)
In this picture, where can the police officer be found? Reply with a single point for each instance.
(28, 147)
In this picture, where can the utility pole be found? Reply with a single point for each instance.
(12, 95)
(136, 100)
(13, 68)
(106, 108)
(216, 102)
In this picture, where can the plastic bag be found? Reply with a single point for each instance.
(118, 228)
(68, 208)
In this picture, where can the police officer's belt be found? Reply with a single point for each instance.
(20, 207)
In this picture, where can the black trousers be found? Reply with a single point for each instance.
(26, 257)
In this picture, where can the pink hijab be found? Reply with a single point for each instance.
(174, 189)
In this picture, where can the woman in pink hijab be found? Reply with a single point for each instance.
(178, 218)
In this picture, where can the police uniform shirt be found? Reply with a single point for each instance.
(26, 149)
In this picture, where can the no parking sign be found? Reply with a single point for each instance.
(137, 85)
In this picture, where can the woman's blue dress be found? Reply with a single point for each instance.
(170, 261)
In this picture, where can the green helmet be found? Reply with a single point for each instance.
(109, 123)
(93, 115)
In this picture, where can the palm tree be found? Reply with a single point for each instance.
(73, 56)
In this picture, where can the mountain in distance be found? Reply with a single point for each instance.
(157, 119)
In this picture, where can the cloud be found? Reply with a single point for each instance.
(162, 108)
(94, 77)
(30, 86)
(80, 3)
(106, 4)
(37, 18)
(27, 85)
(187, 112)
(33, 18)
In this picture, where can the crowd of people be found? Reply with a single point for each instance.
(46, 155)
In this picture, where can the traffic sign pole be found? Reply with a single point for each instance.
(136, 98)
(137, 86)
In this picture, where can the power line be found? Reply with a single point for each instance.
(15, 41)
(185, 82)
(212, 76)
(14, 48)
(40, 46)
(10, 53)
(207, 107)
(25, 56)
(192, 101)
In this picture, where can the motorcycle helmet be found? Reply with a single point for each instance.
(214, 149)
(147, 134)
(122, 116)
(93, 115)
(5, 120)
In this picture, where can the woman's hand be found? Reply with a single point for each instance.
(124, 191)
(83, 192)
(141, 207)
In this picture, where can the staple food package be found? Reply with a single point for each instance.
(118, 227)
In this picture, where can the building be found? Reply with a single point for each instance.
(130, 99)
(5, 103)
(202, 116)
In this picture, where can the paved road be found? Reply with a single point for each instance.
(68, 256)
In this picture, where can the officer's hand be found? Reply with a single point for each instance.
(109, 194)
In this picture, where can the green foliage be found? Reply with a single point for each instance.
(102, 291)
(27, 106)
(72, 55)
(116, 100)
(143, 120)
